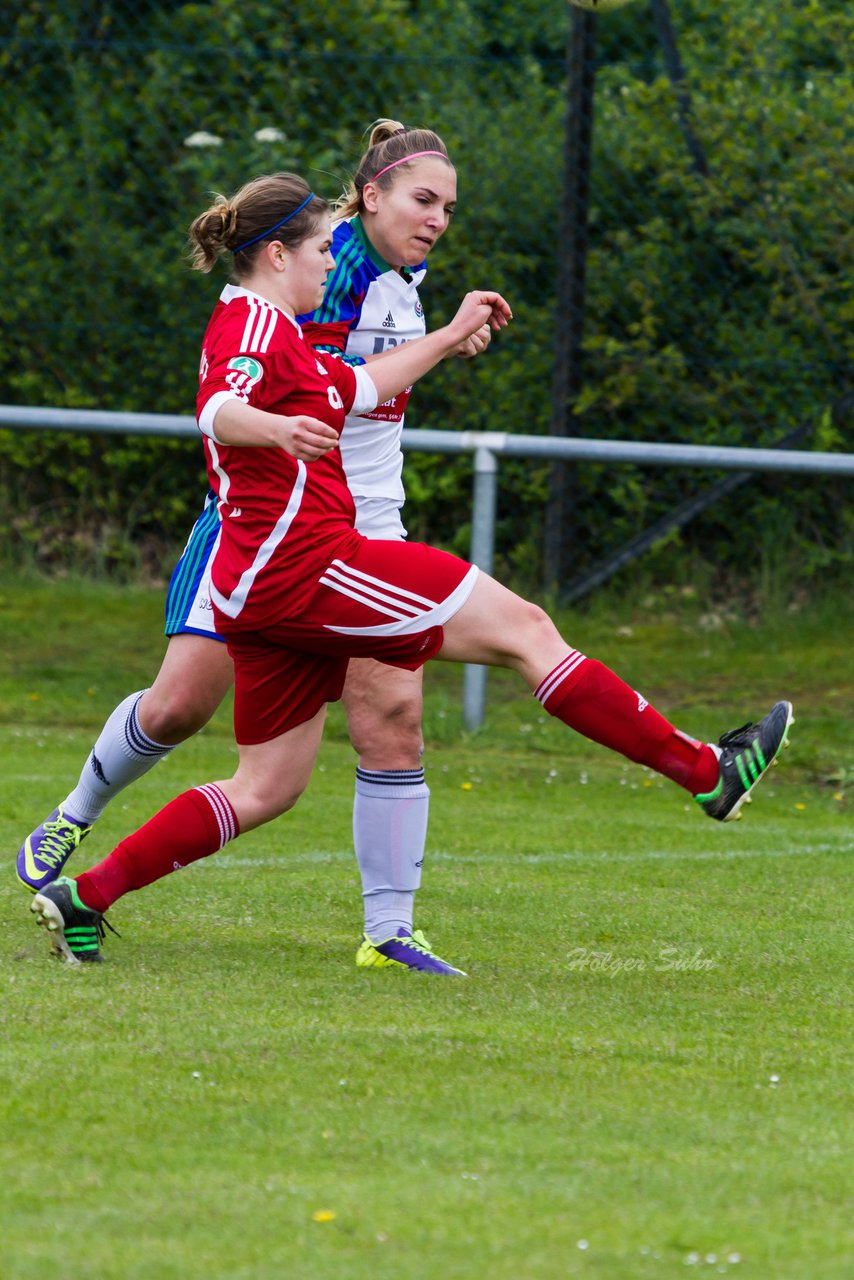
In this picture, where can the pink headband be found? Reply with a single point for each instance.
(403, 159)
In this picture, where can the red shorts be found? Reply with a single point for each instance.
(388, 601)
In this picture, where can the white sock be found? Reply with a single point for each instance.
(389, 833)
(122, 754)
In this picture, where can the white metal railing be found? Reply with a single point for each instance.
(486, 447)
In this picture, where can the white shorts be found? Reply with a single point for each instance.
(379, 518)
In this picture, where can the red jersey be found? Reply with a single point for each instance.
(282, 520)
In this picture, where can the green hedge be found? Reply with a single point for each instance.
(718, 307)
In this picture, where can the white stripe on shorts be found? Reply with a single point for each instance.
(363, 599)
(368, 578)
(379, 595)
(436, 615)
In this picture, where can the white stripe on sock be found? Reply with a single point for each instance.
(223, 812)
(556, 677)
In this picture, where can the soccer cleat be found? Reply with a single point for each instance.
(75, 930)
(745, 754)
(403, 951)
(47, 849)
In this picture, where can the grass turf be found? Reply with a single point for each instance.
(647, 1073)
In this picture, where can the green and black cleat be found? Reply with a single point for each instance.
(76, 931)
(745, 755)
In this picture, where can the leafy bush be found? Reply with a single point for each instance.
(718, 308)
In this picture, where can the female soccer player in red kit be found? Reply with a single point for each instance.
(297, 591)
(397, 207)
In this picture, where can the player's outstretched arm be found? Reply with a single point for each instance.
(472, 346)
(398, 369)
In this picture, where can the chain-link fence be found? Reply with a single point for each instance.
(715, 235)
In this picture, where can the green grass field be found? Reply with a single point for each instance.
(648, 1072)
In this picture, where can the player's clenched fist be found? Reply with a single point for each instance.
(306, 438)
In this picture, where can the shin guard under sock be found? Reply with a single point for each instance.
(122, 753)
(389, 833)
(590, 698)
(192, 826)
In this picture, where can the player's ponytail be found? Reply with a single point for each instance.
(209, 234)
(382, 130)
(391, 144)
(277, 206)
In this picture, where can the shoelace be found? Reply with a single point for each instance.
(100, 924)
(100, 927)
(741, 737)
(53, 849)
(418, 942)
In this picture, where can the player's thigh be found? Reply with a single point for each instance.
(383, 705)
(271, 776)
(194, 677)
(499, 628)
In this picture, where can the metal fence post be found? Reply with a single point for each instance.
(482, 551)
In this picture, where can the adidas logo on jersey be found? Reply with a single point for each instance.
(388, 323)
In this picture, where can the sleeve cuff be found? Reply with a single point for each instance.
(365, 398)
(205, 419)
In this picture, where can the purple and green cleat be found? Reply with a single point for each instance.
(47, 849)
(745, 755)
(403, 951)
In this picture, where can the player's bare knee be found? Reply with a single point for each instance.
(529, 629)
(403, 736)
(174, 720)
(284, 801)
(398, 720)
(257, 801)
(389, 736)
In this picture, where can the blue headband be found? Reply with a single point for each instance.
(298, 209)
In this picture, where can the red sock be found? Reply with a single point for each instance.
(191, 826)
(594, 701)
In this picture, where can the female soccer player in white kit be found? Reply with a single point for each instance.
(398, 206)
(298, 592)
